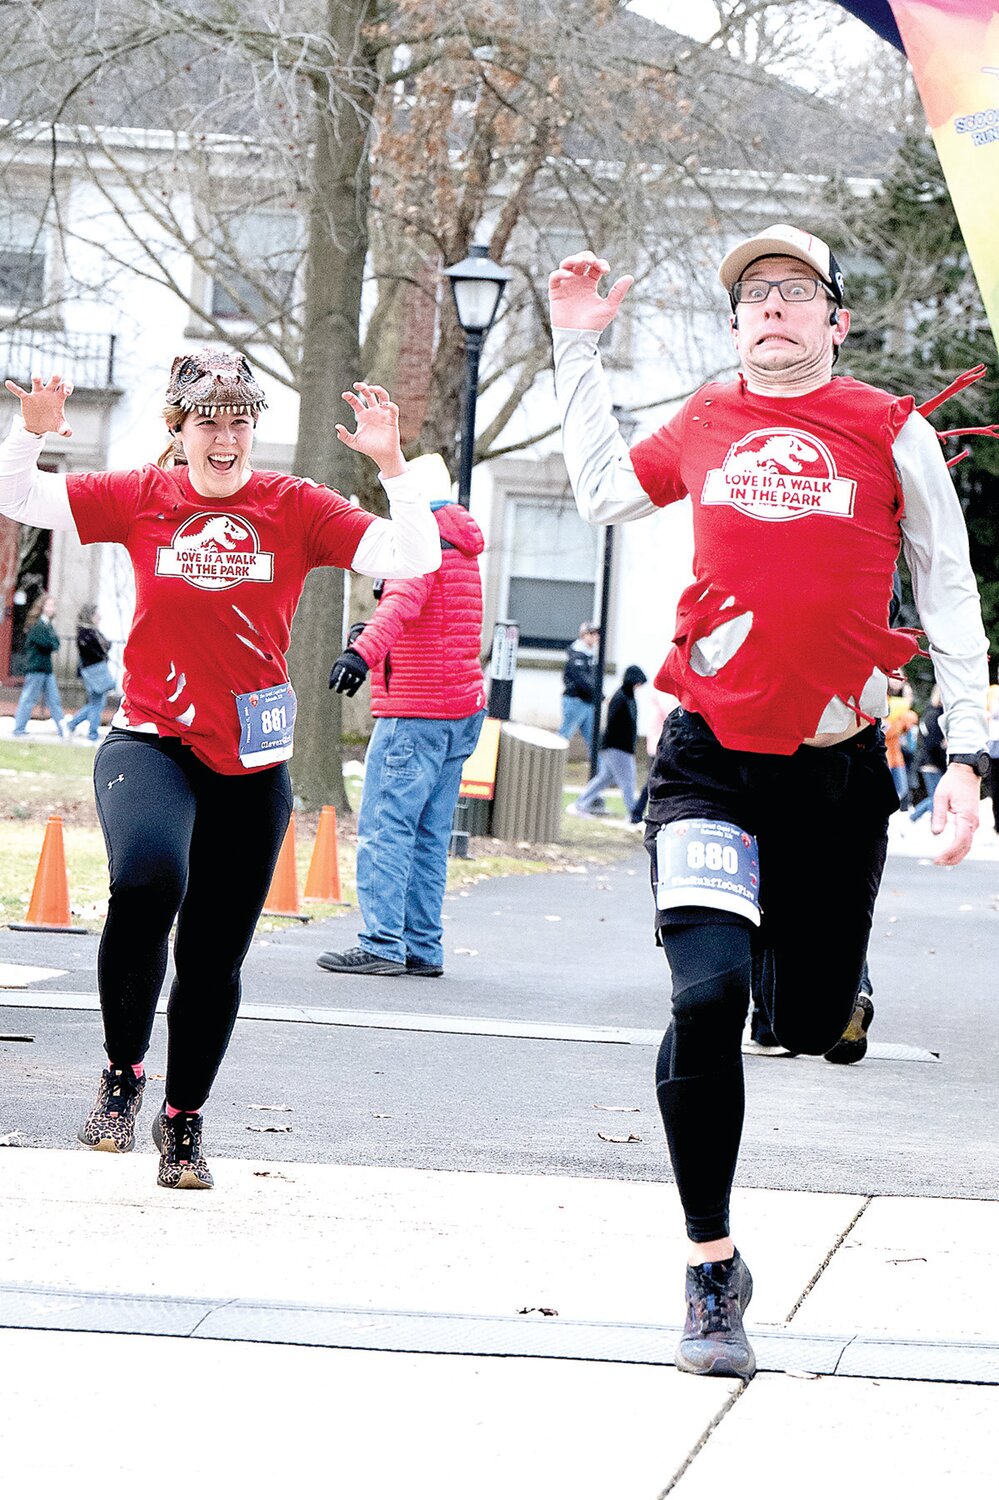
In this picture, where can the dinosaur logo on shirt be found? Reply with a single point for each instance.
(778, 474)
(215, 551)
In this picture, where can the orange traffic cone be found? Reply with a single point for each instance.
(323, 880)
(282, 898)
(48, 909)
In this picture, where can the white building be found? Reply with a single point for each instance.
(115, 336)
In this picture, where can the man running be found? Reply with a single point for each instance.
(803, 489)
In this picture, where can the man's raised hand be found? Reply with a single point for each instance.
(43, 407)
(574, 299)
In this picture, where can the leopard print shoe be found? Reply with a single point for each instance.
(110, 1125)
(182, 1161)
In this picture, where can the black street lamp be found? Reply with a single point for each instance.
(477, 283)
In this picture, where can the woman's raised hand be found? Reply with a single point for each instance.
(377, 432)
(573, 298)
(43, 407)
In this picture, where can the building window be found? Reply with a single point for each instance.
(552, 570)
(256, 258)
(22, 257)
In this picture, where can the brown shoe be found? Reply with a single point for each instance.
(110, 1125)
(182, 1161)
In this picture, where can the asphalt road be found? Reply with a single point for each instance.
(563, 950)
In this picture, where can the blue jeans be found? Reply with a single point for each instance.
(613, 766)
(930, 779)
(576, 715)
(91, 711)
(38, 685)
(900, 777)
(412, 773)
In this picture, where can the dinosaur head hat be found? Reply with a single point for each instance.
(214, 380)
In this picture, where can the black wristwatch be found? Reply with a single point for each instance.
(980, 762)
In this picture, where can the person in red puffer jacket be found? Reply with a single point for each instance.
(421, 647)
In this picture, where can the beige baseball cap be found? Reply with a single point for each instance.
(784, 239)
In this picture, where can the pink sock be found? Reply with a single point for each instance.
(137, 1068)
(172, 1113)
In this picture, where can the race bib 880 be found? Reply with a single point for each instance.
(703, 863)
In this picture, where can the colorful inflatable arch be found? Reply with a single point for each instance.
(953, 47)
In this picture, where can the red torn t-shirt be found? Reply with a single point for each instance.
(216, 585)
(796, 505)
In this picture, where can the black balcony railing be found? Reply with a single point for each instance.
(87, 359)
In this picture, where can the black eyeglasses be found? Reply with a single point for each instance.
(792, 289)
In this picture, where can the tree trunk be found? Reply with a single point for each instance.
(337, 247)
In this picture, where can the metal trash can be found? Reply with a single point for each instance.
(527, 807)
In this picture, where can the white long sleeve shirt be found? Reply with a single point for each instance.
(933, 536)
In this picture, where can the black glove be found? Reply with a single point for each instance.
(348, 672)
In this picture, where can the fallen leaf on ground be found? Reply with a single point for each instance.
(270, 1129)
(618, 1140)
(619, 1109)
(375, 1116)
(547, 1312)
(280, 1108)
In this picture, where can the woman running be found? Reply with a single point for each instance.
(192, 783)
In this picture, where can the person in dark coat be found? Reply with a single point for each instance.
(617, 748)
(579, 684)
(92, 648)
(931, 753)
(40, 644)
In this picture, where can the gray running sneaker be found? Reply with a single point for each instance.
(358, 961)
(110, 1125)
(422, 967)
(713, 1341)
(182, 1161)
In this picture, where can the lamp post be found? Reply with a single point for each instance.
(627, 424)
(477, 284)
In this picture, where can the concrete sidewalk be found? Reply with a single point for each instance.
(376, 1332)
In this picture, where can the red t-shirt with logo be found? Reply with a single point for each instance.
(216, 585)
(796, 505)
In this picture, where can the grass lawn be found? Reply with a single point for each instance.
(38, 780)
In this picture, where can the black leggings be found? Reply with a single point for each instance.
(183, 842)
(820, 818)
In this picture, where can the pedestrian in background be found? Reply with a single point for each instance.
(902, 718)
(617, 749)
(93, 650)
(660, 706)
(579, 684)
(422, 647)
(931, 753)
(41, 642)
(992, 744)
